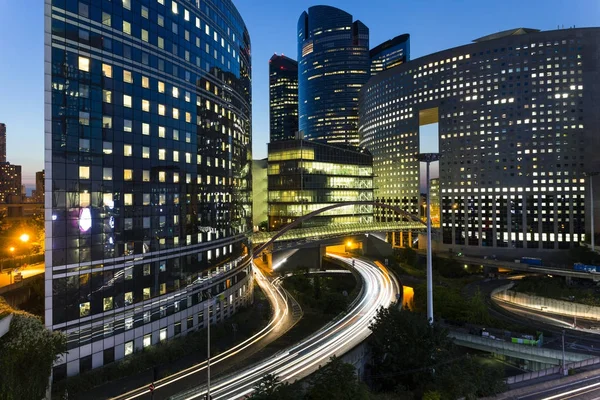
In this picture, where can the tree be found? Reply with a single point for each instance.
(448, 267)
(27, 352)
(336, 381)
(406, 349)
(408, 255)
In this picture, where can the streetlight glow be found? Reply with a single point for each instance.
(11, 249)
(349, 244)
(24, 238)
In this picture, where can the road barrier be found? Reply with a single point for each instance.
(551, 371)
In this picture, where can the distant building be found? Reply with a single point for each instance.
(305, 176)
(333, 65)
(390, 54)
(10, 181)
(38, 193)
(2, 143)
(259, 192)
(283, 98)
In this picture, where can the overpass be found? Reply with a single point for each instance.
(537, 269)
(534, 354)
(335, 230)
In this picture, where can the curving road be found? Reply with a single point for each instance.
(283, 319)
(379, 290)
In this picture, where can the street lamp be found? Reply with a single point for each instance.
(428, 158)
(24, 238)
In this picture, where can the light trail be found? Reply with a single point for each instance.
(279, 302)
(379, 290)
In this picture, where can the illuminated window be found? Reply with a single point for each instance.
(145, 105)
(84, 172)
(107, 70)
(145, 129)
(162, 177)
(106, 19)
(127, 150)
(160, 20)
(128, 298)
(163, 288)
(129, 347)
(107, 147)
(175, 92)
(126, 27)
(127, 76)
(162, 336)
(84, 309)
(84, 64)
(127, 101)
(162, 154)
(144, 35)
(161, 43)
(147, 340)
(127, 125)
(128, 174)
(145, 176)
(145, 82)
(161, 132)
(161, 109)
(106, 96)
(107, 304)
(175, 113)
(145, 152)
(107, 174)
(145, 12)
(174, 7)
(128, 199)
(127, 4)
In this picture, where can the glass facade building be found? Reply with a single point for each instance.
(517, 118)
(148, 182)
(390, 53)
(333, 65)
(283, 98)
(305, 176)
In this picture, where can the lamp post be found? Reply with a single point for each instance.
(591, 176)
(428, 158)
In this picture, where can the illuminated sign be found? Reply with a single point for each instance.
(85, 219)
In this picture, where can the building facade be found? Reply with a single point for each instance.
(283, 98)
(38, 193)
(516, 119)
(390, 53)
(333, 65)
(259, 193)
(148, 182)
(305, 176)
(10, 182)
(2, 143)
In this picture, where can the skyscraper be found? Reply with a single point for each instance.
(2, 143)
(390, 53)
(333, 65)
(148, 194)
(283, 98)
(10, 181)
(516, 127)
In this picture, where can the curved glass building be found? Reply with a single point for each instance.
(516, 119)
(148, 185)
(333, 65)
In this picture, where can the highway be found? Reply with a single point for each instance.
(584, 389)
(379, 290)
(282, 320)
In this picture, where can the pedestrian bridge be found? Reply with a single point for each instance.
(336, 230)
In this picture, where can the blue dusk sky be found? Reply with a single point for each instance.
(434, 25)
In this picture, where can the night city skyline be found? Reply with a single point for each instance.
(271, 32)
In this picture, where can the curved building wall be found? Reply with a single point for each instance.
(333, 64)
(517, 116)
(148, 182)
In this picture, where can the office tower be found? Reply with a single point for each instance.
(2, 143)
(10, 182)
(305, 176)
(283, 98)
(516, 127)
(390, 53)
(333, 65)
(148, 194)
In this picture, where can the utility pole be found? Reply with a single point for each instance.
(208, 345)
(428, 158)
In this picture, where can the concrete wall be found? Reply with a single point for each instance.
(553, 306)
